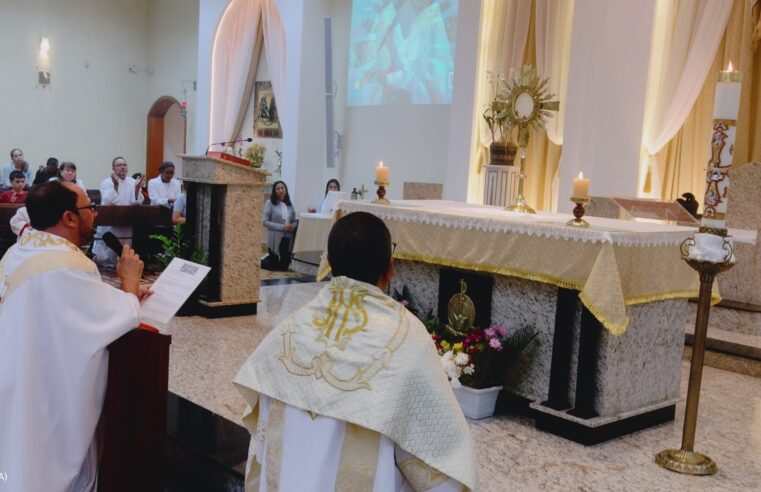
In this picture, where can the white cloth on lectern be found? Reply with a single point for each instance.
(109, 196)
(56, 319)
(160, 193)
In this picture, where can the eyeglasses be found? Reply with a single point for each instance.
(393, 248)
(93, 207)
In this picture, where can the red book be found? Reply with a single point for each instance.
(230, 158)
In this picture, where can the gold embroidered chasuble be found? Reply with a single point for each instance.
(356, 355)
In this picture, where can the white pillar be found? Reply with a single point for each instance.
(607, 82)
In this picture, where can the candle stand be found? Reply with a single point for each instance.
(686, 460)
(578, 212)
(381, 192)
(520, 204)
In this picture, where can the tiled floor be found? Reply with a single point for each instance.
(512, 454)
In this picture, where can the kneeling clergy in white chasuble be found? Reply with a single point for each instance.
(56, 319)
(349, 394)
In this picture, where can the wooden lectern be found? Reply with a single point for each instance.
(133, 420)
(224, 216)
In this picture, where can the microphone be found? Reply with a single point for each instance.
(113, 243)
(249, 139)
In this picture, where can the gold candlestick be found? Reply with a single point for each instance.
(578, 212)
(381, 192)
(686, 460)
(520, 204)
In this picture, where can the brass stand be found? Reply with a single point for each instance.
(520, 204)
(686, 460)
(381, 192)
(578, 213)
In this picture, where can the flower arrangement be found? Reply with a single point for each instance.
(480, 359)
(255, 154)
(496, 115)
(477, 358)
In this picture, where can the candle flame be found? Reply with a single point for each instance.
(380, 163)
(729, 67)
(581, 175)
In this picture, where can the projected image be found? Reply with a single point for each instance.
(401, 52)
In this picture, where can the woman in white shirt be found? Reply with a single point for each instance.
(164, 189)
(280, 221)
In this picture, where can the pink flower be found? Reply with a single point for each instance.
(501, 330)
(490, 332)
(495, 344)
(405, 303)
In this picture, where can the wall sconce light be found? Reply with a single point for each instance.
(44, 45)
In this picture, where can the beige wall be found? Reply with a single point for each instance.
(94, 108)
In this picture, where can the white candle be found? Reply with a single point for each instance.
(381, 173)
(580, 186)
(726, 106)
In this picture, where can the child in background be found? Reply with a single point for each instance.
(16, 194)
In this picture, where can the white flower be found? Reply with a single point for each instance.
(469, 369)
(461, 359)
(455, 383)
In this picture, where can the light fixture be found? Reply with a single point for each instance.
(44, 45)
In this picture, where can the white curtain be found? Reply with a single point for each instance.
(686, 36)
(516, 15)
(554, 26)
(232, 57)
(274, 48)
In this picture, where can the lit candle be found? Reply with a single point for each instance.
(726, 106)
(580, 186)
(381, 173)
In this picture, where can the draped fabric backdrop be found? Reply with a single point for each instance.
(515, 32)
(686, 36)
(244, 27)
(682, 162)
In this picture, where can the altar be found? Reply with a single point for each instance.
(609, 303)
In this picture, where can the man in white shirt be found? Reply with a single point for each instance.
(54, 358)
(164, 189)
(117, 189)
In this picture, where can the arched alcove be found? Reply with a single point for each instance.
(166, 134)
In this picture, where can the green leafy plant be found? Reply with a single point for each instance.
(255, 154)
(177, 245)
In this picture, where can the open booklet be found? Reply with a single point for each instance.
(170, 291)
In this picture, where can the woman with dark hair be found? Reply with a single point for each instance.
(46, 172)
(331, 185)
(67, 173)
(280, 221)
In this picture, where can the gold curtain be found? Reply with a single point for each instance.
(686, 155)
(542, 156)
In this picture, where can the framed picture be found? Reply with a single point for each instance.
(266, 121)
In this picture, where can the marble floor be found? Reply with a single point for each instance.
(512, 454)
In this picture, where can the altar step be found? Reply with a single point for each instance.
(734, 338)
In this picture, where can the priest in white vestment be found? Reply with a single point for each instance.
(164, 188)
(56, 319)
(117, 189)
(348, 393)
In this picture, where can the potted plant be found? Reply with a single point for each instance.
(501, 150)
(255, 154)
(476, 364)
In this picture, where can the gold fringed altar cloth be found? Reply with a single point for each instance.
(613, 263)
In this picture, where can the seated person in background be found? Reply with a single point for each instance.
(17, 164)
(332, 185)
(178, 213)
(16, 194)
(117, 189)
(689, 203)
(280, 221)
(164, 189)
(348, 393)
(67, 172)
(143, 187)
(54, 360)
(46, 172)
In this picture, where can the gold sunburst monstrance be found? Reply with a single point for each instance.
(529, 103)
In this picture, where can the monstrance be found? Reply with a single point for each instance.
(528, 104)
